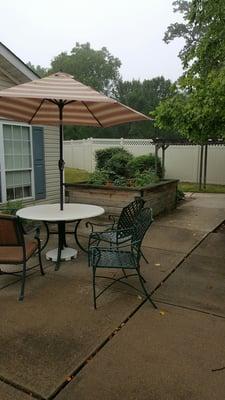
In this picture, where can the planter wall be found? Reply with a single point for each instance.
(161, 197)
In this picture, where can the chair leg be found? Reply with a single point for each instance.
(40, 260)
(144, 257)
(124, 273)
(21, 297)
(94, 292)
(144, 288)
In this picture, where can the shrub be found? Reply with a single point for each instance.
(179, 195)
(103, 156)
(99, 177)
(11, 207)
(120, 181)
(145, 178)
(145, 163)
(118, 165)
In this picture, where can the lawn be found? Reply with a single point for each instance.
(194, 187)
(74, 175)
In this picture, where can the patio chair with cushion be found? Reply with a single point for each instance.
(126, 256)
(16, 248)
(116, 232)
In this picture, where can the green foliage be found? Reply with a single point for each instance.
(145, 163)
(40, 71)
(145, 178)
(144, 97)
(11, 207)
(179, 195)
(99, 177)
(196, 109)
(120, 181)
(103, 156)
(96, 68)
(117, 165)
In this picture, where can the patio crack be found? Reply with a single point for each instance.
(21, 388)
(189, 308)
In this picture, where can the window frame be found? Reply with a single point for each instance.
(3, 170)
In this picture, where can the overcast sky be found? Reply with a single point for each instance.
(132, 30)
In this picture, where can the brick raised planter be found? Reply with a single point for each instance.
(161, 197)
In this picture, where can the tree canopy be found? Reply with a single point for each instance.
(196, 109)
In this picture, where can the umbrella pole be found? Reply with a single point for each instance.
(61, 161)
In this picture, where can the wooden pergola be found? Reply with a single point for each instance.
(163, 144)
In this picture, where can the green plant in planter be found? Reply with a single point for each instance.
(179, 195)
(118, 165)
(11, 207)
(145, 163)
(103, 156)
(145, 178)
(120, 181)
(99, 177)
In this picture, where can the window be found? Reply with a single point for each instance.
(17, 163)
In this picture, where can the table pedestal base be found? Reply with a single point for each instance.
(66, 254)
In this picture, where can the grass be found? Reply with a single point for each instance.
(75, 175)
(194, 187)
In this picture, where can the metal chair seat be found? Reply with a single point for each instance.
(106, 258)
(110, 236)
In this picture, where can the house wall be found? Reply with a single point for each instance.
(51, 143)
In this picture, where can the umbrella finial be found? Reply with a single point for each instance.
(62, 74)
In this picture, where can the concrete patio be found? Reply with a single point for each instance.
(54, 345)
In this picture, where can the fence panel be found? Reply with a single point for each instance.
(181, 162)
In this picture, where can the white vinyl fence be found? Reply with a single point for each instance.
(181, 162)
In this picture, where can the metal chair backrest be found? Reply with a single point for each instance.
(129, 213)
(141, 225)
(11, 233)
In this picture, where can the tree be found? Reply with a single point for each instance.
(196, 108)
(96, 68)
(41, 71)
(144, 97)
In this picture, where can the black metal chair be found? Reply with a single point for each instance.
(15, 248)
(115, 232)
(125, 256)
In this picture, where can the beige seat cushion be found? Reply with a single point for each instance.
(14, 254)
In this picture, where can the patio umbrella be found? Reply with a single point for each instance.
(61, 100)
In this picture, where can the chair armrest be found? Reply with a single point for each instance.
(93, 224)
(123, 235)
(114, 218)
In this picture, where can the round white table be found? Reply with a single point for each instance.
(52, 213)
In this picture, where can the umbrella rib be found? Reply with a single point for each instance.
(96, 119)
(42, 101)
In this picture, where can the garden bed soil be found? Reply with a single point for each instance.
(161, 196)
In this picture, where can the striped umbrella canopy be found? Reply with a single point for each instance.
(61, 100)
